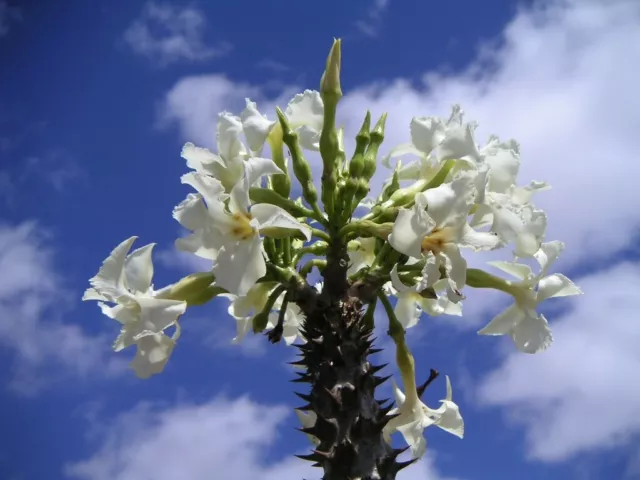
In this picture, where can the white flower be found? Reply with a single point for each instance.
(125, 280)
(437, 226)
(529, 330)
(411, 304)
(304, 113)
(433, 141)
(230, 233)
(293, 319)
(244, 308)
(362, 255)
(228, 164)
(414, 416)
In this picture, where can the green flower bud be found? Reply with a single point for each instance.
(392, 186)
(204, 296)
(263, 195)
(301, 167)
(281, 183)
(330, 81)
(377, 137)
(370, 160)
(329, 142)
(477, 278)
(193, 289)
(260, 320)
(356, 166)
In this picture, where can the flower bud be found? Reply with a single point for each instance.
(301, 167)
(192, 289)
(330, 81)
(477, 278)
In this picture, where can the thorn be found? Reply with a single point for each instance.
(376, 368)
(303, 377)
(396, 452)
(315, 456)
(372, 351)
(377, 381)
(304, 396)
(298, 363)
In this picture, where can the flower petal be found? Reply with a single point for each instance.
(256, 126)
(156, 314)
(400, 151)
(556, 285)
(427, 133)
(478, 241)
(204, 243)
(519, 270)
(503, 159)
(239, 201)
(450, 420)
(243, 326)
(273, 220)
(228, 133)
(406, 310)
(459, 143)
(191, 213)
(152, 355)
(211, 189)
(257, 167)
(449, 204)
(240, 267)
(547, 255)
(413, 434)
(198, 158)
(109, 282)
(505, 322)
(532, 335)
(138, 269)
(409, 229)
(306, 109)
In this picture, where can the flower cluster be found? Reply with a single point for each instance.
(454, 197)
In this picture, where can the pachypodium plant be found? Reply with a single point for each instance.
(408, 243)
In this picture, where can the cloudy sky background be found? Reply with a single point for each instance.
(95, 103)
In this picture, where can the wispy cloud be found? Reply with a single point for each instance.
(33, 301)
(166, 34)
(565, 398)
(193, 433)
(371, 24)
(273, 65)
(8, 15)
(29, 163)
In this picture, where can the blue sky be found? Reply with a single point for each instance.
(95, 104)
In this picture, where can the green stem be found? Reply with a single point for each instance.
(315, 262)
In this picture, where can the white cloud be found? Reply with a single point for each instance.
(32, 302)
(370, 25)
(167, 34)
(194, 103)
(582, 394)
(221, 438)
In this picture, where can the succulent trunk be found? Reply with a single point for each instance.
(335, 356)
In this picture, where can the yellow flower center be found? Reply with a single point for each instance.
(242, 230)
(435, 241)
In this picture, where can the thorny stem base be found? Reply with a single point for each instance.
(338, 342)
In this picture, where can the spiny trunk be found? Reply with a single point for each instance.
(349, 418)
